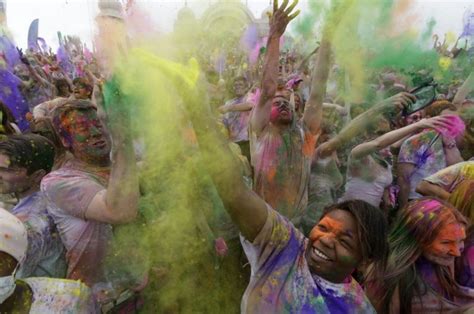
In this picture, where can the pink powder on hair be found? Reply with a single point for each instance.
(456, 126)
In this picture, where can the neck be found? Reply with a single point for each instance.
(93, 163)
(281, 126)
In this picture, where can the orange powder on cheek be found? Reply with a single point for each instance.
(454, 233)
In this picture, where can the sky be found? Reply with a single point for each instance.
(76, 17)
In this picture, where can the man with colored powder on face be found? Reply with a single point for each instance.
(282, 146)
(24, 161)
(92, 191)
(236, 115)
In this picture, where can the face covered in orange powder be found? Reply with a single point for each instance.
(448, 244)
(333, 251)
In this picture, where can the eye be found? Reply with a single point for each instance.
(323, 228)
(346, 244)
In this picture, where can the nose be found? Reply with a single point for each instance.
(328, 241)
(456, 250)
(95, 131)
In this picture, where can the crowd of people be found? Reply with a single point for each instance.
(340, 208)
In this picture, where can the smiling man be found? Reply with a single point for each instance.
(90, 193)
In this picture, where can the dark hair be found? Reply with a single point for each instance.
(83, 82)
(416, 226)
(30, 151)
(44, 127)
(58, 83)
(372, 229)
(7, 118)
(240, 79)
(60, 112)
(438, 106)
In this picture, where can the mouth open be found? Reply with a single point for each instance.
(99, 144)
(319, 255)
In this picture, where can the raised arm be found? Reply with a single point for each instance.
(118, 204)
(246, 208)
(243, 106)
(390, 106)
(33, 72)
(464, 90)
(392, 137)
(429, 189)
(281, 17)
(313, 111)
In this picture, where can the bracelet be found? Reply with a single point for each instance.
(450, 145)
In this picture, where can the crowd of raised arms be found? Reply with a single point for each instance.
(156, 187)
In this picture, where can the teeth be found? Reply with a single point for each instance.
(321, 254)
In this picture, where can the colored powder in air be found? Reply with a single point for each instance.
(181, 214)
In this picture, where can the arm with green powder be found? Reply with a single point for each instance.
(358, 125)
(118, 204)
(247, 209)
(464, 90)
(280, 19)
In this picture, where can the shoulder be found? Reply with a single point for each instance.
(64, 177)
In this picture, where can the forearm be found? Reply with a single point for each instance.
(245, 106)
(36, 76)
(270, 68)
(453, 156)
(353, 129)
(246, 209)
(261, 115)
(429, 189)
(314, 107)
(464, 90)
(404, 192)
(122, 191)
(383, 141)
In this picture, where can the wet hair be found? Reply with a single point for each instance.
(416, 227)
(60, 113)
(30, 151)
(7, 118)
(372, 231)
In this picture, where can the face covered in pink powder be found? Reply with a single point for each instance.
(281, 110)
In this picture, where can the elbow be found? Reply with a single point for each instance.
(422, 188)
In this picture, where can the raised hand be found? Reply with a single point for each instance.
(282, 16)
(437, 123)
(397, 103)
(23, 58)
